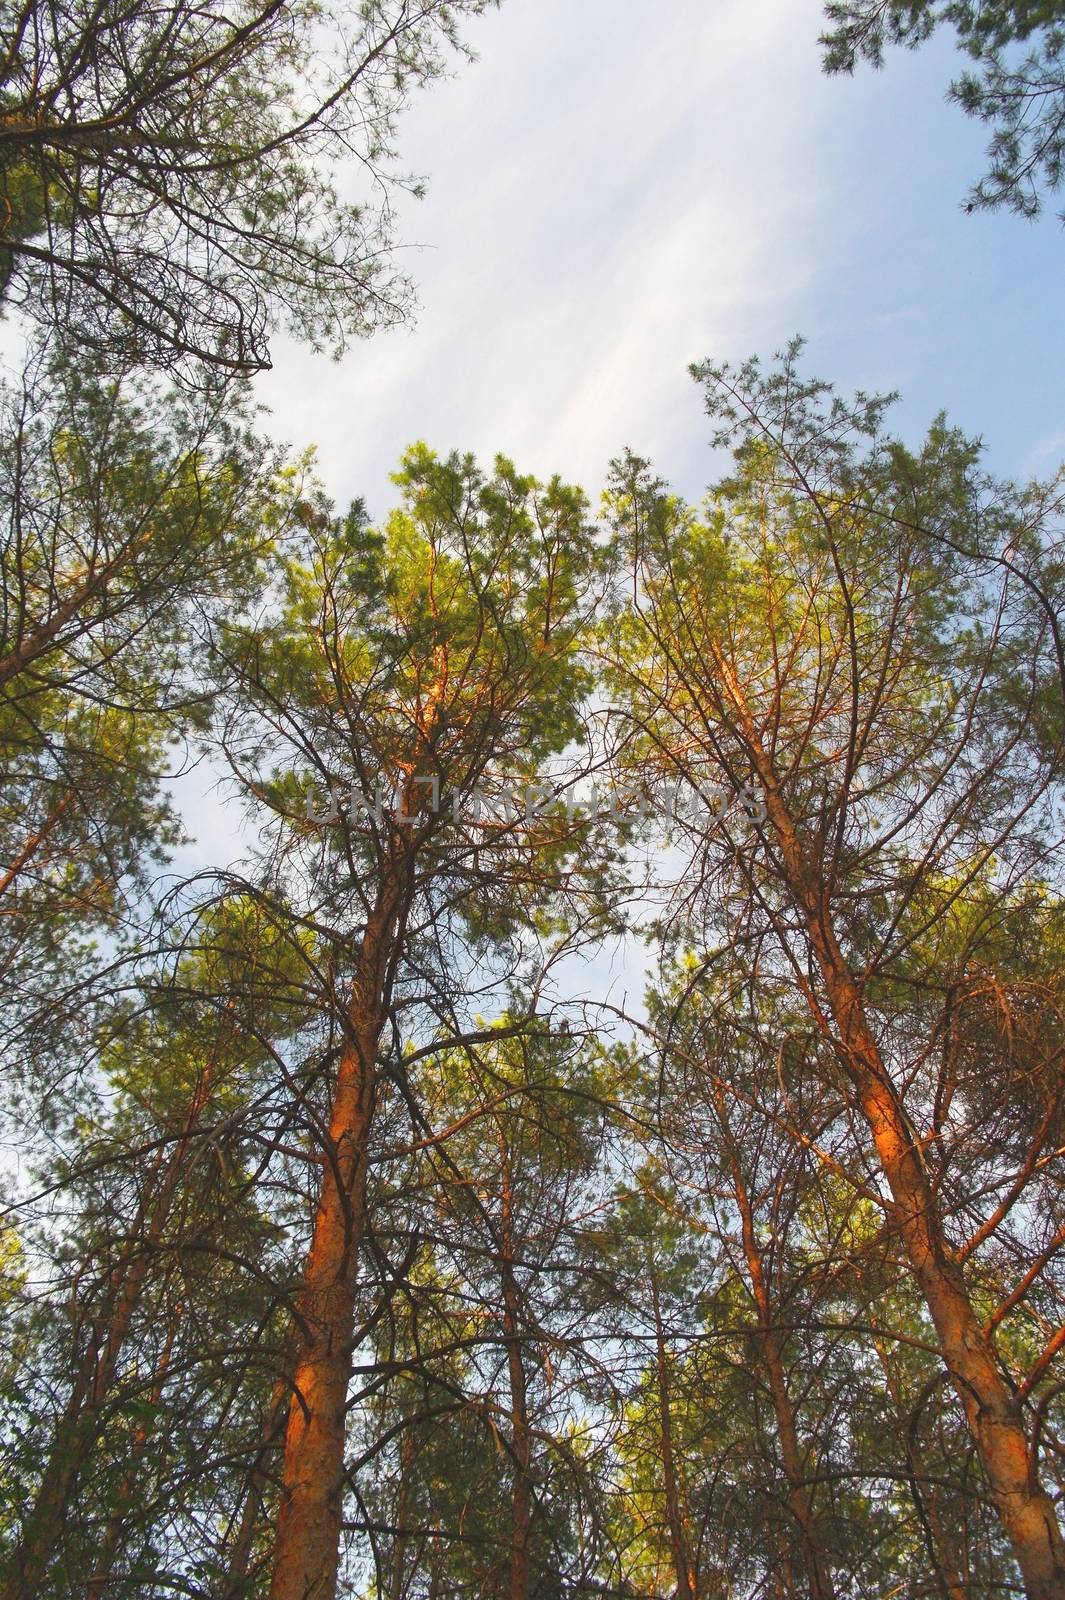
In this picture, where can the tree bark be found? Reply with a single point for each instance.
(307, 1540)
(991, 1407)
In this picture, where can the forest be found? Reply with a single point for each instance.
(355, 1240)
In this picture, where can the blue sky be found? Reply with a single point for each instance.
(617, 188)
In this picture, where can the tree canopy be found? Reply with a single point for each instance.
(360, 1247)
(170, 185)
(1016, 83)
(599, 1134)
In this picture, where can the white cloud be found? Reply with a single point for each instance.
(615, 189)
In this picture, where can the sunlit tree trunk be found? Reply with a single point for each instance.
(307, 1542)
(991, 1408)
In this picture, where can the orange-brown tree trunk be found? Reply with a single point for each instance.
(990, 1405)
(307, 1540)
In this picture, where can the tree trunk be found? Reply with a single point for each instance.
(77, 1429)
(307, 1541)
(991, 1408)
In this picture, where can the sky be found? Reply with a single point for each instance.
(617, 188)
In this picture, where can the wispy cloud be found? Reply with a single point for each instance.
(615, 189)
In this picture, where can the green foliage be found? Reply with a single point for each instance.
(134, 518)
(168, 183)
(435, 664)
(579, 1241)
(1017, 86)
